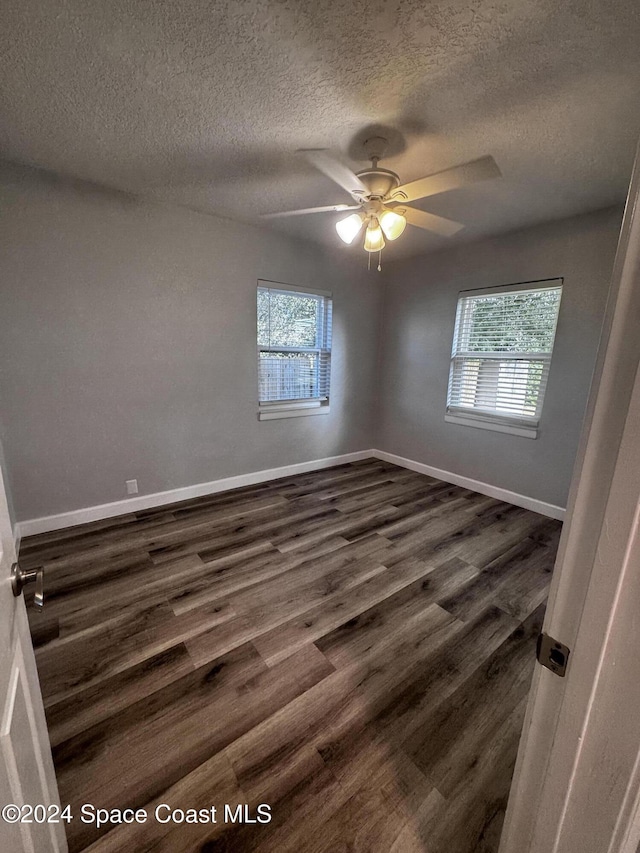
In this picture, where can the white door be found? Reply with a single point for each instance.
(27, 776)
(576, 786)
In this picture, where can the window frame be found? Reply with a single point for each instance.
(301, 407)
(521, 425)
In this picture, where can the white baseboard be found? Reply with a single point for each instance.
(110, 510)
(72, 518)
(505, 495)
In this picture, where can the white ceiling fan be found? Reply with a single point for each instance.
(381, 200)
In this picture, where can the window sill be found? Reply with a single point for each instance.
(495, 426)
(294, 410)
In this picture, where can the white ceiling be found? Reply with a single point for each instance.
(203, 103)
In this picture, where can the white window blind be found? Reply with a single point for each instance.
(294, 346)
(501, 354)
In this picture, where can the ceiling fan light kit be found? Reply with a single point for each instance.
(392, 223)
(381, 201)
(373, 239)
(349, 228)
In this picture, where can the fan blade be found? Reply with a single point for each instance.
(449, 179)
(334, 169)
(429, 221)
(327, 209)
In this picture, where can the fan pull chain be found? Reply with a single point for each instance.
(368, 261)
(380, 261)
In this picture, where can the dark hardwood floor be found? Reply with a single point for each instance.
(352, 647)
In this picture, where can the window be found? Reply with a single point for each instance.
(294, 351)
(501, 355)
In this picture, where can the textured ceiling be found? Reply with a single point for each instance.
(203, 104)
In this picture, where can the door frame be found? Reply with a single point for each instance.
(567, 752)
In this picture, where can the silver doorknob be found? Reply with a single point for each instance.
(19, 579)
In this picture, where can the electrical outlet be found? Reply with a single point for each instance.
(132, 487)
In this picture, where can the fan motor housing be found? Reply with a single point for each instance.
(379, 182)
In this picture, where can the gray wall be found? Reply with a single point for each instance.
(128, 345)
(418, 318)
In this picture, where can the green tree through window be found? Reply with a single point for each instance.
(502, 351)
(294, 345)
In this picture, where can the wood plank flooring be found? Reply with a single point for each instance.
(352, 647)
